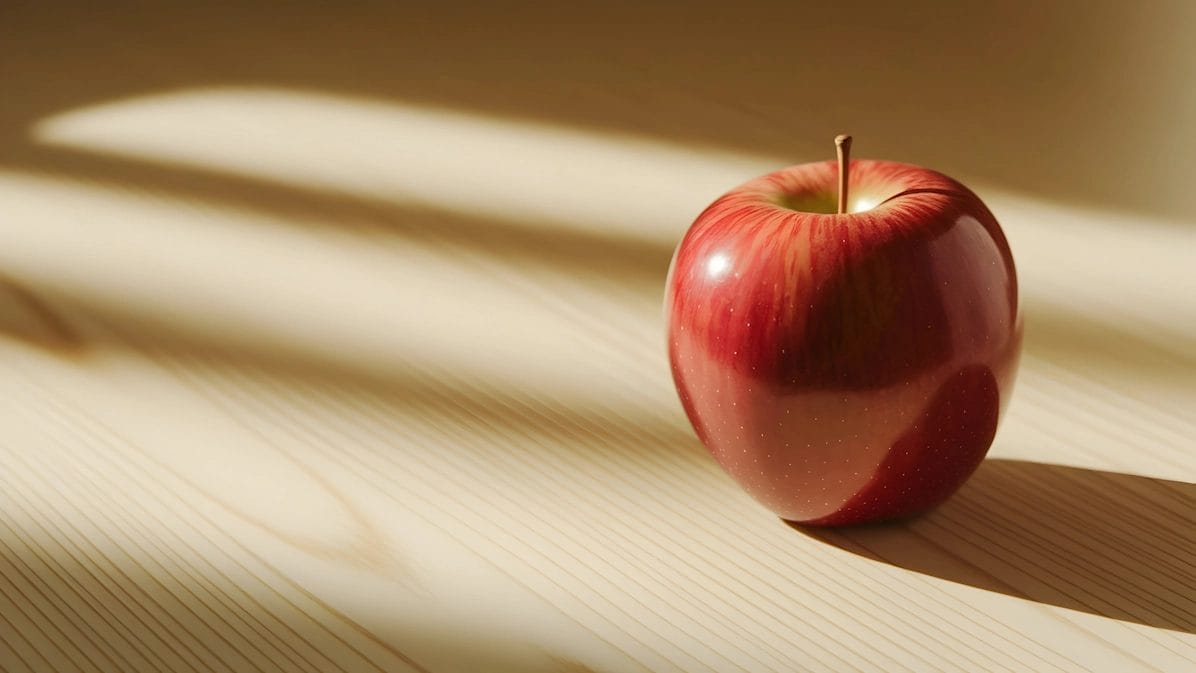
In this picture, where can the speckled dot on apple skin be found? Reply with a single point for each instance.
(827, 391)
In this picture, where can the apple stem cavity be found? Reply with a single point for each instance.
(843, 149)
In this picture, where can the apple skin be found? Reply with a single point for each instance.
(845, 368)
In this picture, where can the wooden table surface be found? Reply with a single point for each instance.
(331, 340)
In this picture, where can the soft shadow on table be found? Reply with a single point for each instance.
(1111, 544)
(26, 316)
(634, 263)
(52, 322)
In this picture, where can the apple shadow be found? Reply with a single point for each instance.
(1116, 545)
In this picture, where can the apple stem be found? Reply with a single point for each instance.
(843, 149)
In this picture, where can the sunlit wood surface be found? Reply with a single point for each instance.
(331, 341)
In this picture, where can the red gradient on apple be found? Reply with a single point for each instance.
(847, 367)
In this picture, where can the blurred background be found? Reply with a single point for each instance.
(416, 251)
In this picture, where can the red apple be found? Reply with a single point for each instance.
(849, 366)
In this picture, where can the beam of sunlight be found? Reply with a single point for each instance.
(538, 174)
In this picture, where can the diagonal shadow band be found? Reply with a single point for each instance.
(53, 322)
(637, 263)
(1116, 545)
(26, 316)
